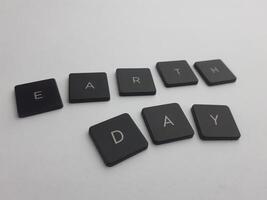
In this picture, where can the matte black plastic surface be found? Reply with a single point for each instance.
(135, 81)
(37, 97)
(215, 122)
(88, 87)
(111, 152)
(167, 123)
(214, 72)
(176, 73)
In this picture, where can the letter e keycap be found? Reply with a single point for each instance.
(37, 97)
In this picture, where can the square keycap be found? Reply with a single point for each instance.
(88, 87)
(176, 73)
(37, 97)
(167, 123)
(215, 122)
(117, 139)
(214, 72)
(135, 81)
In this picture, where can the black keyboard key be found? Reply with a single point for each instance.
(176, 73)
(37, 97)
(88, 87)
(135, 81)
(215, 72)
(167, 123)
(215, 122)
(117, 139)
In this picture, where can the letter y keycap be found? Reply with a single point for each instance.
(215, 122)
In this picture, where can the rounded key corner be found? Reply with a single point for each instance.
(60, 106)
(107, 98)
(21, 115)
(168, 85)
(118, 70)
(196, 65)
(147, 69)
(71, 75)
(195, 82)
(91, 130)
(191, 135)
(16, 88)
(217, 60)
(202, 137)
(237, 137)
(194, 106)
(143, 111)
(234, 78)
(184, 61)
(210, 83)
(145, 144)
(72, 101)
(104, 73)
(109, 164)
(227, 108)
(176, 104)
(52, 79)
(156, 142)
(158, 65)
(125, 115)
(123, 94)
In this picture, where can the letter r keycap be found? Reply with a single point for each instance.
(117, 139)
(135, 81)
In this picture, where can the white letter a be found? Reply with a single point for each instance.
(89, 85)
(167, 121)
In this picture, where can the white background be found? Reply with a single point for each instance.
(50, 156)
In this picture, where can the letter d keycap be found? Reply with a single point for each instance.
(117, 139)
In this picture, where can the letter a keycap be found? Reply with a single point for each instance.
(88, 87)
(167, 123)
